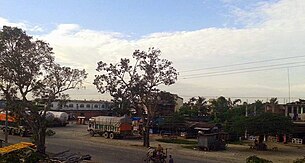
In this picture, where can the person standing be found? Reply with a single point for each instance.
(171, 160)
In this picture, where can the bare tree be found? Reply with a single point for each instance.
(136, 86)
(28, 71)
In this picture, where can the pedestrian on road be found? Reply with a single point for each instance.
(171, 160)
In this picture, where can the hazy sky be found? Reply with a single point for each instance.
(196, 35)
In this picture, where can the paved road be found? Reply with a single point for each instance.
(75, 141)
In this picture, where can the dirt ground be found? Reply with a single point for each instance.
(238, 153)
(282, 153)
(285, 153)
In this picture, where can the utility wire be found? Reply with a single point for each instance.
(239, 69)
(245, 63)
(239, 72)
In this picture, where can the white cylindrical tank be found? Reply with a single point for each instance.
(62, 116)
(49, 116)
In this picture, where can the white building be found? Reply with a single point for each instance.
(82, 108)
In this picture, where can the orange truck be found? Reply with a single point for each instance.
(110, 127)
(14, 127)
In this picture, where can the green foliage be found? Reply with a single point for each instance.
(50, 132)
(26, 155)
(219, 106)
(27, 66)
(255, 159)
(137, 84)
(236, 125)
(176, 118)
(269, 123)
(258, 107)
(34, 158)
(9, 158)
(232, 114)
(173, 122)
(263, 124)
(301, 160)
(187, 111)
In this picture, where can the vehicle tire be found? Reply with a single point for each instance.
(91, 132)
(14, 132)
(9, 130)
(205, 148)
(163, 160)
(111, 135)
(22, 133)
(145, 159)
(105, 135)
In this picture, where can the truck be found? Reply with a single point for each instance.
(110, 127)
(14, 127)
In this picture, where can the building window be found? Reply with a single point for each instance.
(70, 105)
(88, 106)
(299, 110)
(103, 106)
(95, 106)
(295, 109)
(289, 109)
(81, 105)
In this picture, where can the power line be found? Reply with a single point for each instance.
(238, 64)
(247, 68)
(242, 72)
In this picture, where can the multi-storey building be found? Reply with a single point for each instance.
(295, 110)
(84, 108)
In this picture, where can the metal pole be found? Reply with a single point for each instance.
(288, 84)
(247, 109)
(6, 125)
(246, 132)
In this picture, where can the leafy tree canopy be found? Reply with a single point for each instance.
(263, 124)
(135, 84)
(27, 69)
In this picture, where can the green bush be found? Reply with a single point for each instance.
(50, 132)
(301, 160)
(255, 159)
(27, 155)
(34, 158)
(10, 158)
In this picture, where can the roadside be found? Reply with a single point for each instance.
(235, 153)
(75, 137)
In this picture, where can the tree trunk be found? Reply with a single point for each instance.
(146, 133)
(40, 142)
(261, 139)
(146, 137)
(39, 137)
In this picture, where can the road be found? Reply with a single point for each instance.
(75, 140)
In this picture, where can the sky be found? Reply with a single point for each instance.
(249, 49)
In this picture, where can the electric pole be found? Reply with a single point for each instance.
(288, 84)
